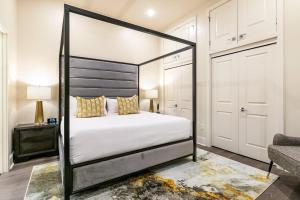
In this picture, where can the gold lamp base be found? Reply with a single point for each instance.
(39, 113)
(151, 108)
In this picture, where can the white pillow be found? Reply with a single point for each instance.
(112, 106)
(73, 106)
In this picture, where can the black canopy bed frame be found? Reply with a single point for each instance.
(70, 66)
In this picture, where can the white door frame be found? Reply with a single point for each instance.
(4, 153)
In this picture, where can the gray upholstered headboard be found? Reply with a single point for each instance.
(92, 77)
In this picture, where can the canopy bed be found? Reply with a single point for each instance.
(98, 151)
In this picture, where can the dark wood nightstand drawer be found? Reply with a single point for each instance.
(36, 140)
(33, 140)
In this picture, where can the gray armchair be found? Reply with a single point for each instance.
(285, 152)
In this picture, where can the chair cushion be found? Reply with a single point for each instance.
(288, 157)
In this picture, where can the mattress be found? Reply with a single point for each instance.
(99, 137)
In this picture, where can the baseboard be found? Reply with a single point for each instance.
(201, 140)
(11, 161)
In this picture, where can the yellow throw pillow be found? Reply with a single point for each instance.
(128, 105)
(90, 107)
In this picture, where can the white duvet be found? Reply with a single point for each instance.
(92, 138)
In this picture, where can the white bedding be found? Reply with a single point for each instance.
(92, 138)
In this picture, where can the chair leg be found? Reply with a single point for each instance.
(270, 168)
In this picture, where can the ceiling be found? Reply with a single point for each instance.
(135, 11)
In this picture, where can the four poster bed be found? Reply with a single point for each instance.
(100, 150)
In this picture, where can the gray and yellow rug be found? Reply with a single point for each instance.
(212, 177)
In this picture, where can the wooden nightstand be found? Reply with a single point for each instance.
(32, 140)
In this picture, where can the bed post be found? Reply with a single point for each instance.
(67, 168)
(194, 57)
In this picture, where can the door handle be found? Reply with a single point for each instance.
(232, 39)
(242, 36)
(242, 109)
(175, 105)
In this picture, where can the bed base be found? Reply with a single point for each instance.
(108, 170)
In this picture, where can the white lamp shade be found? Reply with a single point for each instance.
(151, 94)
(38, 93)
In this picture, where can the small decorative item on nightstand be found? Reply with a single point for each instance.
(34, 140)
(51, 121)
(151, 94)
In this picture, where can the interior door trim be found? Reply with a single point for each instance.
(4, 142)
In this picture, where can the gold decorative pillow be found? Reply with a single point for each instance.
(90, 107)
(128, 105)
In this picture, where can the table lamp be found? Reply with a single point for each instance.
(151, 94)
(39, 93)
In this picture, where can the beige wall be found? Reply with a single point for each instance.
(39, 38)
(39, 28)
(8, 20)
(292, 67)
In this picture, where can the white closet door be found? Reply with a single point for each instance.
(169, 46)
(171, 85)
(259, 89)
(187, 32)
(223, 27)
(178, 91)
(224, 97)
(257, 20)
(186, 94)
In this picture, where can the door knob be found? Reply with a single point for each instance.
(242, 109)
(232, 39)
(242, 36)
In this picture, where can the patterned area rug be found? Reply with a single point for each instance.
(212, 177)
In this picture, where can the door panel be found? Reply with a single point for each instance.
(186, 95)
(224, 110)
(187, 32)
(169, 46)
(256, 131)
(257, 95)
(187, 113)
(171, 90)
(178, 91)
(223, 27)
(257, 20)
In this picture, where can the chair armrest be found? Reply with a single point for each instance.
(283, 140)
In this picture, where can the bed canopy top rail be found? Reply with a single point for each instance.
(64, 80)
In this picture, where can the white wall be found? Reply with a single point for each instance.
(292, 67)
(8, 20)
(39, 39)
(39, 28)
